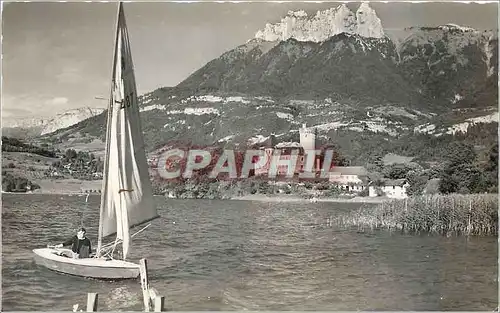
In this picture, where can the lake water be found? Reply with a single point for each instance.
(236, 255)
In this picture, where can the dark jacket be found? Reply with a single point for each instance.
(77, 245)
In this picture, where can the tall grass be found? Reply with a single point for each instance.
(453, 214)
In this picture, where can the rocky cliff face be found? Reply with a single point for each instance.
(325, 24)
(368, 23)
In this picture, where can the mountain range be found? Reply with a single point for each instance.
(337, 71)
(337, 52)
(32, 127)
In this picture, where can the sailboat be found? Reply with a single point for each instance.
(127, 198)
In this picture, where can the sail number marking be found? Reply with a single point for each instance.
(127, 102)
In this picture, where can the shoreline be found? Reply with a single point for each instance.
(77, 187)
(257, 198)
(292, 198)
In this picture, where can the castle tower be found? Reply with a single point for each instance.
(307, 138)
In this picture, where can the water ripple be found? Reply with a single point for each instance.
(224, 255)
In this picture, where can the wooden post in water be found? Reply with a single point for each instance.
(469, 227)
(145, 284)
(92, 298)
(159, 303)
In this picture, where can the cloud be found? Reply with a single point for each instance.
(12, 113)
(24, 106)
(69, 74)
(57, 101)
(15, 107)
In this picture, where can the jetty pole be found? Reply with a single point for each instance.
(159, 304)
(145, 284)
(92, 299)
(152, 300)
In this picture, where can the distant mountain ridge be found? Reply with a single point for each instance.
(70, 117)
(451, 63)
(345, 65)
(35, 127)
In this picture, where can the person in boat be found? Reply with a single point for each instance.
(80, 245)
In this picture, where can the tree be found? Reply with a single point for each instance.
(448, 183)
(469, 178)
(395, 171)
(462, 178)
(376, 178)
(417, 181)
(8, 183)
(493, 159)
(460, 173)
(14, 183)
(70, 154)
(460, 153)
(378, 161)
(400, 170)
(488, 181)
(337, 158)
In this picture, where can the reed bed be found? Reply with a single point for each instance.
(475, 215)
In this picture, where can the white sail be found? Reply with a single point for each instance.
(127, 198)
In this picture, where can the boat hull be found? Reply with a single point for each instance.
(97, 268)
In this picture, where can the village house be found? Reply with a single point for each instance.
(55, 173)
(391, 188)
(349, 178)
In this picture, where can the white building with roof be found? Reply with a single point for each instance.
(351, 178)
(391, 188)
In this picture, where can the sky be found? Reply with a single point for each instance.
(58, 56)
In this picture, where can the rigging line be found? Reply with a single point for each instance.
(114, 247)
(119, 240)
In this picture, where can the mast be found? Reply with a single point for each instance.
(108, 133)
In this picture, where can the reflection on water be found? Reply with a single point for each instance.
(235, 255)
